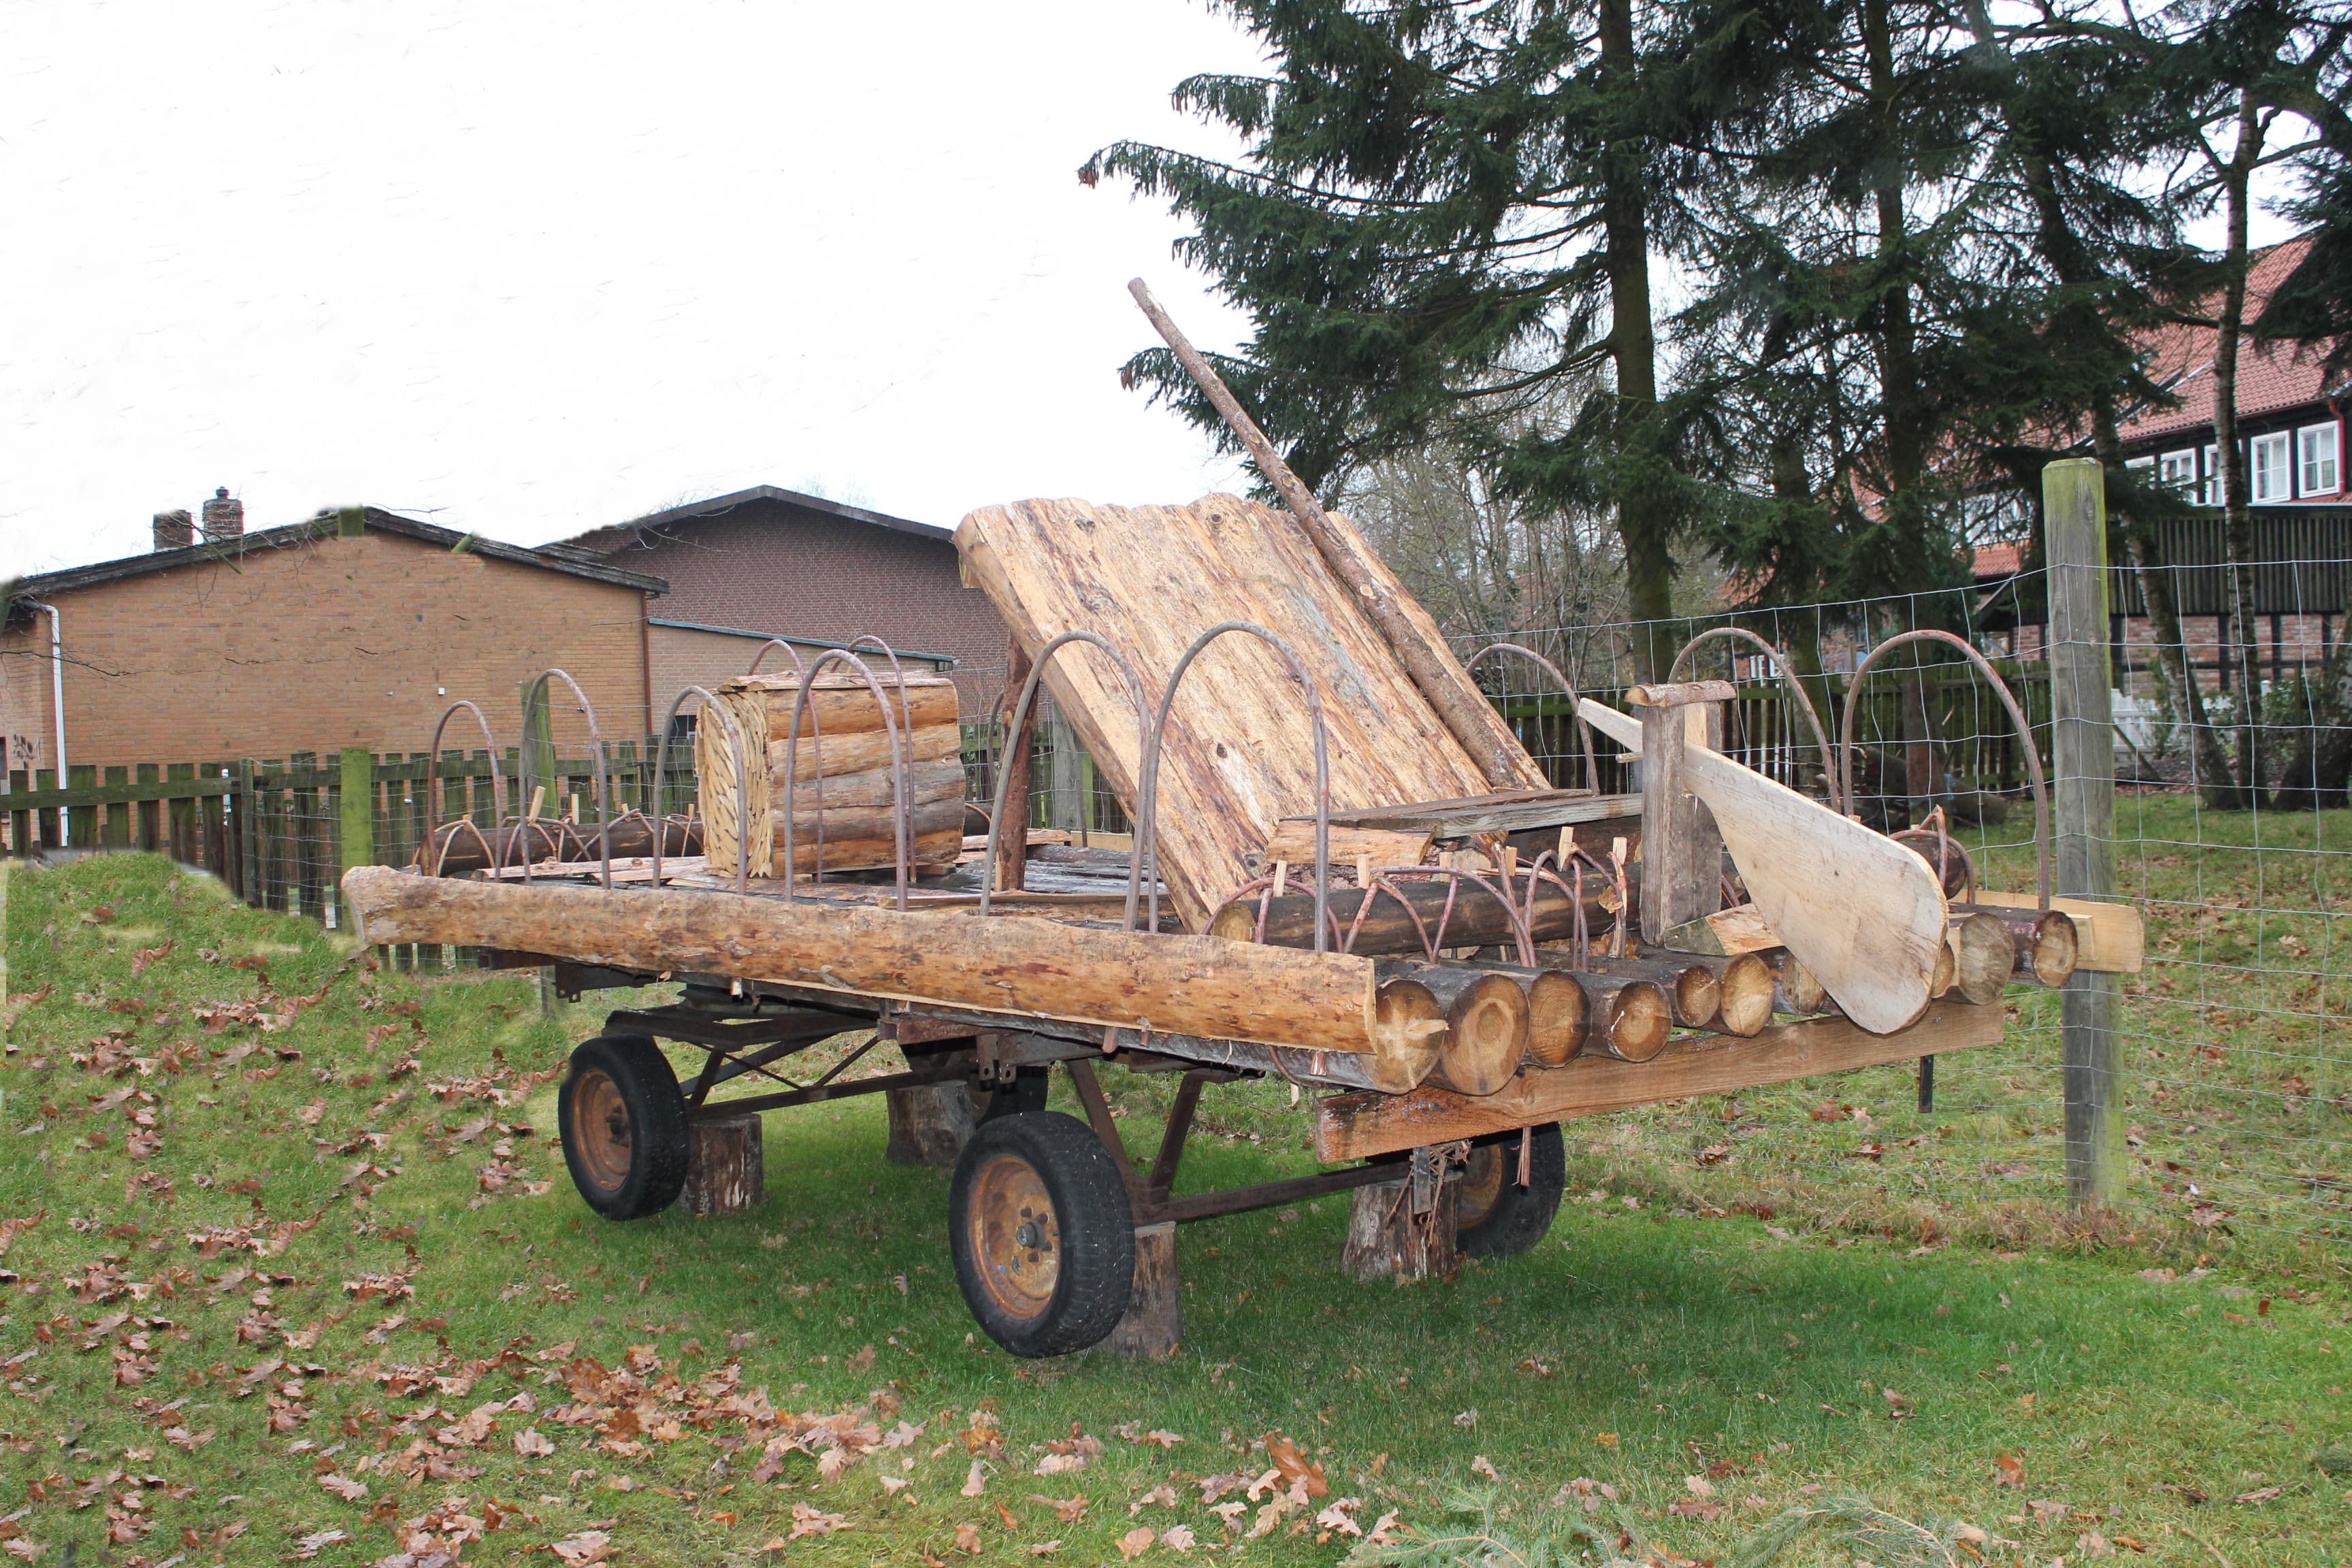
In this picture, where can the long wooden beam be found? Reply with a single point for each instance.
(1188, 985)
(1358, 1126)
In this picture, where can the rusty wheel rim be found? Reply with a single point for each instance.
(1480, 1187)
(599, 1130)
(1015, 1236)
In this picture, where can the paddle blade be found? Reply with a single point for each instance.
(1860, 911)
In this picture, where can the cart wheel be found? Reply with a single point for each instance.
(624, 1127)
(1495, 1216)
(1042, 1233)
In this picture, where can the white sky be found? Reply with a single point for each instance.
(533, 268)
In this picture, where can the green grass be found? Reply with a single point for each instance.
(302, 1177)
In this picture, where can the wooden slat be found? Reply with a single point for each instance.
(2113, 937)
(1357, 1126)
(1515, 812)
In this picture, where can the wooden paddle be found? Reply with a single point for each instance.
(1860, 911)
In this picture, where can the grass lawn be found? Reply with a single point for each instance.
(292, 1271)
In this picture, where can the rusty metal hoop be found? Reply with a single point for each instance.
(604, 799)
(898, 765)
(997, 801)
(790, 652)
(1789, 678)
(743, 783)
(2016, 717)
(1147, 829)
(497, 791)
(1592, 767)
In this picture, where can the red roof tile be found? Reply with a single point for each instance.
(2271, 377)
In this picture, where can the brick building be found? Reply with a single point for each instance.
(356, 629)
(768, 562)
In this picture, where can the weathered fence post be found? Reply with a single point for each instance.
(2082, 757)
(358, 834)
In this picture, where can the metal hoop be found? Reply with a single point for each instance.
(1004, 774)
(790, 652)
(898, 765)
(1789, 677)
(1147, 805)
(742, 784)
(497, 791)
(2016, 716)
(604, 802)
(1592, 767)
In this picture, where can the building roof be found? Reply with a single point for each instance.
(943, 661)
(2271, 377)
(328, 525)
(602, 541)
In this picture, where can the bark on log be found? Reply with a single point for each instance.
(1486, 1017)
(1153, 1325)
(1478, 919)
(1183, 984)
(1796, 992)
(849, 824)
(1984, 954)
(862, 752)
(928, 850)
(843, 705)
(726, 1171)
(927, 783)
(929, 1125)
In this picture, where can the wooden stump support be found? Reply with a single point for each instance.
(1154, 1324)
(931, 1124)
(1404, 1229)
(726, 1168)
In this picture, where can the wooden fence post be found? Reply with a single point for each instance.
(358, 808)
(2083, 757)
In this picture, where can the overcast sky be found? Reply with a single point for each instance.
(529, 269)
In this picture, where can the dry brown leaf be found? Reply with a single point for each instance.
(1135, 1543)
(588, 1546)
(531, 1445)
(1066, 1510)
(967, 1538)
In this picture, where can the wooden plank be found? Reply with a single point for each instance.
(185, 843)
(115, 830)
(1518, 812)
(147, 828)
(1238, 755)
(1294, 842)
(1183, 983)
(2113, 937)
(1358, 1126)
(1866, 914)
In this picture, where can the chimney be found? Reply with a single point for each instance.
(175, 529)
(224, 518)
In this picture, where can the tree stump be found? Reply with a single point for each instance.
(929, 1125)
(726, 1171)
(1404, 1229)
(1154, 1323)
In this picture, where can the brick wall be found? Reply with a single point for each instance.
(337, 642)
(682, 658)
(771, 567)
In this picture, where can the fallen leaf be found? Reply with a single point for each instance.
(1483, 1466)
(808, 1521)
(531, 1445)
(2008, 1469)
(976, 1481)
(1176, 1538)
(1044, 1548)
(2261, 1495)
(967, 1538)
(588, 1546)
(1066, 1510)
(1135, 1543)
(344, 1487)
(311, 1545)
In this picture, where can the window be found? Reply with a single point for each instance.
(2316, 449)
(2178, 472)
(2211, 495)
(2272, 481)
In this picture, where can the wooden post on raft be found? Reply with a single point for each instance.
(2082, 751)
(1682, 853)
(1458, 704)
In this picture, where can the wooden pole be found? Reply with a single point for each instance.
(1458, 705)
(2082, 757)
(1012, 837)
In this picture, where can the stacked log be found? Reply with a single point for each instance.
(460, 848)
(1476, 920)
(845, 784)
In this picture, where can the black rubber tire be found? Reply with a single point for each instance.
(1517, 1218)
(1097, 1249)
(653, 1126)
(1025, 1096)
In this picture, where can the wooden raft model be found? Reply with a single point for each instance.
(1371, 889)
